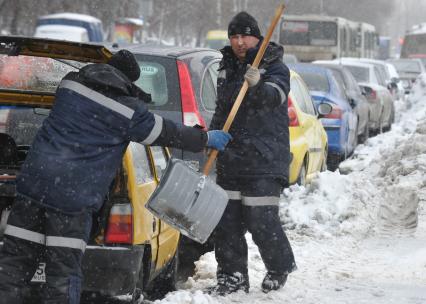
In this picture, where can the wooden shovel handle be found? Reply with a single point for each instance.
(244, 88)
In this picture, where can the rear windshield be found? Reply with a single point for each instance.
(360, 73)
(36, 74)
(315, 81)
(159, 78)
(407, 66)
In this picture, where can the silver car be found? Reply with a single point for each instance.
(380, 100)
(408, 70)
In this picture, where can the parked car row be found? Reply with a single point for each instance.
(331, 108)
(362, 93)
(182, 85)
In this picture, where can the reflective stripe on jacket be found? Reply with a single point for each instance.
(80, 145)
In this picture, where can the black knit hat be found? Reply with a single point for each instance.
(243, 24)
(126, 62)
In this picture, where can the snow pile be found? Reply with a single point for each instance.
(387, 167)
(358, 234)
(418, 92)
(327, 206)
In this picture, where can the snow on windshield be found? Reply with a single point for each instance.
(31, 73)
(358, 235)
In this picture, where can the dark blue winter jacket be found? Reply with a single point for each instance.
(260, 145)
(80, 145)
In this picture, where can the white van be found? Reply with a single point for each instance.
(62, 32)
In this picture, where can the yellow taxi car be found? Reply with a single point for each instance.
(216, 39)
(308, 139)
(130, 250)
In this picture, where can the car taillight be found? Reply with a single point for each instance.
(120, 224)
(4, 114)
(336, 113)
(293, 121)
(191, 115)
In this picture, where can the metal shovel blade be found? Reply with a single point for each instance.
(188, 201)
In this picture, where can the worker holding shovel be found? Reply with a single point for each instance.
(69, 168)
(254, 167)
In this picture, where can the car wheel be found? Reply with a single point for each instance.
(379, 129)
(189, 252)
(324, 161)
(136, 296)
(333, 161)
(301, 179)
(355, 142)
(365, 135)
(165, 282)
(391, 121)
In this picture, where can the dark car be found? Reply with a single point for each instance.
(354, 95)
(182, 84)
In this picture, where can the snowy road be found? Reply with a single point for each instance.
(359, 236)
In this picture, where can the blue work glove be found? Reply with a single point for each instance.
(218, 139)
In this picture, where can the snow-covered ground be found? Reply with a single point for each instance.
(359, 235)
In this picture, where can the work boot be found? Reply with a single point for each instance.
(273, 281)
(227, 284)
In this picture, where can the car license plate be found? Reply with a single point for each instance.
(40, 274)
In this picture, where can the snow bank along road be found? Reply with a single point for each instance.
(359, 235)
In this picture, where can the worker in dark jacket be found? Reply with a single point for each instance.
(70, 167)
(254, 167)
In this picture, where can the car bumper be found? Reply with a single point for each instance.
(111, 270)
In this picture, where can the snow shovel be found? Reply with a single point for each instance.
(188, 200)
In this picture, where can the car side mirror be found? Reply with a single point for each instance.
(395, 80)
(351, 98)
(324, 109)
(392, 86)
(366, 91)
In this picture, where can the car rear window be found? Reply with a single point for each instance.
(315, 81)
(360, 73)
(159, 78)
(407, 66)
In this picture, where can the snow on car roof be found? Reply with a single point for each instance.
(74, 16)
(61, 28)
(62, 32)
(355, 63)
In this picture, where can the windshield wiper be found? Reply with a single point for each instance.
(69, 63)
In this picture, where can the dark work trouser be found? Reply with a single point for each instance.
(36, 234)
(253, 207)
